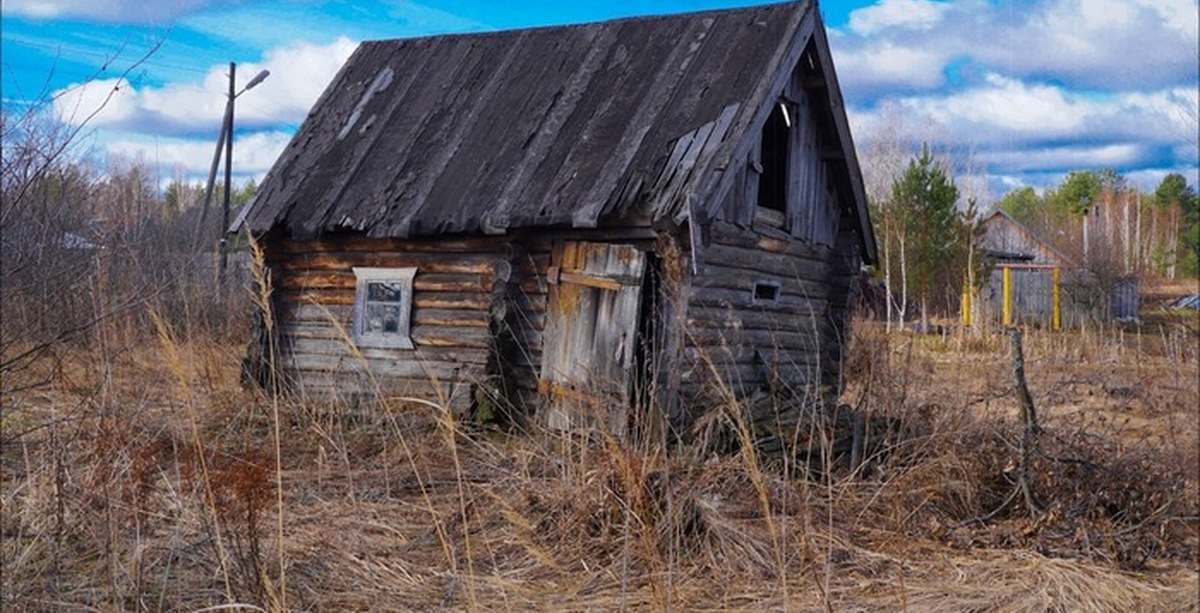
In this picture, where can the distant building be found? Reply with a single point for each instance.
(1040, 276)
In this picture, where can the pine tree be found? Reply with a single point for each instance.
(925, 197)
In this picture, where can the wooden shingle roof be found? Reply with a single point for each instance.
(555, 126)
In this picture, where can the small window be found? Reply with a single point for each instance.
(773, 154)
(383, 307)
(766, 292)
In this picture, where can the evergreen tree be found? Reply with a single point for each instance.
(1022, 204)
(1172, 192)
(925, 197)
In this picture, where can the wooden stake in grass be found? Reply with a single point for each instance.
(1029, 425)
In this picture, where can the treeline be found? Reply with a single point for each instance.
(931, 241)
(87, 242)
(1113, 228)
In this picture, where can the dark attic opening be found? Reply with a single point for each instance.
(772, 183)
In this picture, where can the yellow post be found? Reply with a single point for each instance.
(1056, 301)
(966, 304)
(1007, 296)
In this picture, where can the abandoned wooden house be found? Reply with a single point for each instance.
(594, 223)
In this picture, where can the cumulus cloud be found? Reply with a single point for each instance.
(1064, 158)
(299, 73)
(1037, 87)
(1005, 111)
(883, 66)
(1099, 44)
(252, 157)
(904, 14)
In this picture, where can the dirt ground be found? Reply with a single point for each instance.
(144, 477)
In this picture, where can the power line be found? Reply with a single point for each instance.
(99, 54)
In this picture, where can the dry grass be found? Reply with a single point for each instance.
(146, 479)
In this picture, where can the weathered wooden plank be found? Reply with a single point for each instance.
(324, 384)
(754, 319)
(426, 300)
(345, 279)
(423, 262)
(725, 233)
(724, 298)
(436, 336)
(360, 243)
(309, 345)
(764, 340)
(793, 292)
(750, 260)
(422, 334)
(382, 367)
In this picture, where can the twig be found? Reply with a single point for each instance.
(1028, 422)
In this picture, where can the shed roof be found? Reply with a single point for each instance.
(1053, 253)
(554, 126)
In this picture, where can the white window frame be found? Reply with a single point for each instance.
(402, 337)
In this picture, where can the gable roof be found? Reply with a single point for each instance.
(555, 126)
(1033, 238)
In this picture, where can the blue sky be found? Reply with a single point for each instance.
(1013, 92)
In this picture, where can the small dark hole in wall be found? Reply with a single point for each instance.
(766, 292)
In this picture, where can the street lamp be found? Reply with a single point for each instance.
(225, 141)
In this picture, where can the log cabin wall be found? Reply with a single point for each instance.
(757, 311)
(527, 295)
(454, 299)
(769, 305)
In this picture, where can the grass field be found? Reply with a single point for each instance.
(142, 476)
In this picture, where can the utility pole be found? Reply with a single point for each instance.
(225, 141)
(228, 175)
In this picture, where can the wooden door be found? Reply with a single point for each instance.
(590, 352)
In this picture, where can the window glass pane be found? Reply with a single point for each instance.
(382, 318)
(384, 291)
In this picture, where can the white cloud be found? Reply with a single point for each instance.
(111, 11)
(1007, 105)
(253, 154)
(299, 73)
(884, 65)
(1032, 133)
(906, 14)
(1004, 111)
(1064, 158)
(1100, 44)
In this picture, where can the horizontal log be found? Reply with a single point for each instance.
(303, 312)
(422, 335)
(764, 340)
(754, 261)
(437, 336)
(744, 279)
(358, 243)
(367, 367)
(306, 345)
(723, 298)
(727, 234)
(423, 282)
(341, 387)
(326, 316)
(424, 262)
(426, 300)
(754, 319)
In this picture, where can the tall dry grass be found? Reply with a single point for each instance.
(148, 479)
